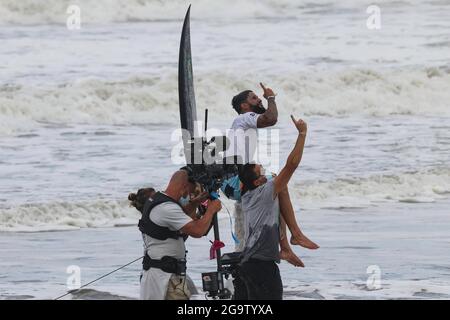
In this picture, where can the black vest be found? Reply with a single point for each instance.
(147, 226)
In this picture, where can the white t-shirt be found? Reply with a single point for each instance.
(154, 281)
(243, 136)
(168, 215)
(245, 121)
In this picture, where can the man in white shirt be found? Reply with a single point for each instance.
(165, 226)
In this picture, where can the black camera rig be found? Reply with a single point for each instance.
(209, 170)
(213, 282)
(203, 163)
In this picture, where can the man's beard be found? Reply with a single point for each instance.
(259, 108)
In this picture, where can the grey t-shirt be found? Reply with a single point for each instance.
(261, 222)
(169, 215)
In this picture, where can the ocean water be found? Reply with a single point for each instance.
(87, 116)
(404, 245)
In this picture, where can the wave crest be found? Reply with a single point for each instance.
(413, 187)
(29, 12)
(418, 187)
(67, 216)
(142, 100)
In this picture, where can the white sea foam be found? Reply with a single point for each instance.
(155, 99)
(425, 186)
(26, 12)
(67, 216)
(414, 187)
(58, 216)
(390, 289)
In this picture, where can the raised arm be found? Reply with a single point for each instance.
(270, 117)
(292, 162)
(198, 228)
(191, 208)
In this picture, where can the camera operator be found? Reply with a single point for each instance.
(165, 225)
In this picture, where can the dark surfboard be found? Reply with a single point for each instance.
(188, 111)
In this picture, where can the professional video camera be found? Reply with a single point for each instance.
(207, 167)
(210, 170)
(210, 176)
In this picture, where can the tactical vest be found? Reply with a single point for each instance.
(148, 227)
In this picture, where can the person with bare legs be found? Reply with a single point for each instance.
(261, 207)
(252, 116)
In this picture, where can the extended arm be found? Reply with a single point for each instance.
(197, 228)
(191, 208)
(292, 162)
(270, 117)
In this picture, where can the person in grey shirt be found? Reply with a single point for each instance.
(258, 267)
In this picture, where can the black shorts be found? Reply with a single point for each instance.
(258, 280)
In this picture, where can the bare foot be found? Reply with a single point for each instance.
(303, 241)
(290, 257)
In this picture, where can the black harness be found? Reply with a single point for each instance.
(166, 264)
(148, 227)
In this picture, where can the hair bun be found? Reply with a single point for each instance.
(132, 197)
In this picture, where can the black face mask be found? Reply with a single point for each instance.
(259, 109)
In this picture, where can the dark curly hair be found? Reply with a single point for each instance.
(239, 99)
(247, 175)
(139, 198)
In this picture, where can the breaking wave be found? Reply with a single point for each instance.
(145, 100)
(411, 187)
(30, 12)
(417, 187)
(67, 216)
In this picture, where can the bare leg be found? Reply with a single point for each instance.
(239, 226)
(287, 212)
(286, 252)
